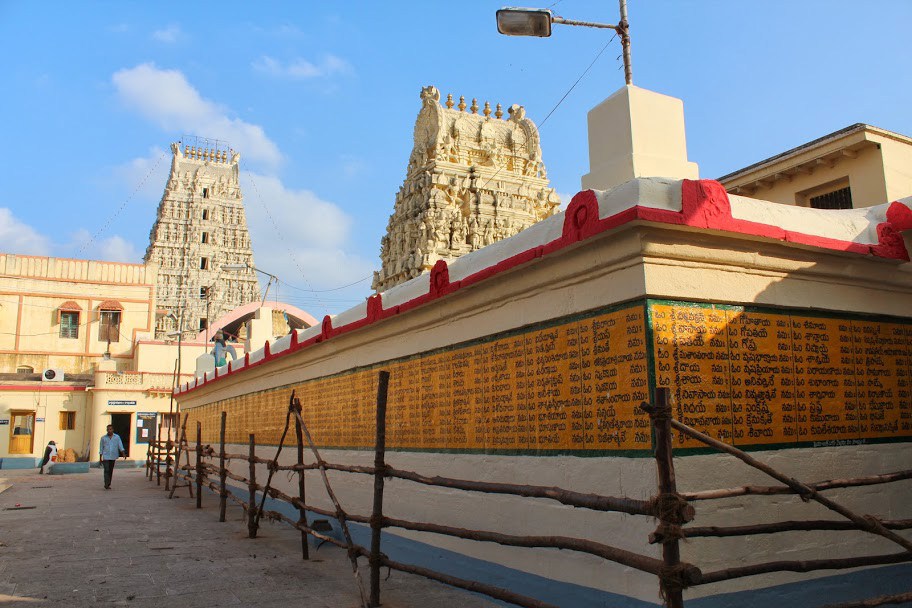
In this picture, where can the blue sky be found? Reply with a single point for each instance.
(321, 98)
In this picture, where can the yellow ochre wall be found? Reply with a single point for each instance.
(708, 303)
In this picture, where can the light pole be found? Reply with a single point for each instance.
(537, 22)
(208, 299)
(272, 278)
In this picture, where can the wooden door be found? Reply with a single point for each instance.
(22, 432)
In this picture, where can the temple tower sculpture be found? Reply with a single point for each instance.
(472, 179)
(201, 227)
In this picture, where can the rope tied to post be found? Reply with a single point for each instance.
(674, 579)
(666, 533)
(672, 508)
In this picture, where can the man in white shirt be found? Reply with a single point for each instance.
(110, 449)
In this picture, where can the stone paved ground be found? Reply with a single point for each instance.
(82, 545)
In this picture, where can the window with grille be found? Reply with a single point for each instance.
(837, 199)
(67, 421)
(69, 324)
(25, 369)
(109, 326)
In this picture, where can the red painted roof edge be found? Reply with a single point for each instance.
(704, 204)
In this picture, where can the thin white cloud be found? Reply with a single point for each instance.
(118, 249)
(168, 35)
(145, 176)
(302, 69)
(353, 166)
(565, 199)
(110, 249)
(166, 97)
(303, 240)
(296, 235)
(299, 215)
(18, 237)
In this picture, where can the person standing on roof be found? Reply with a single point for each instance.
(221, 350)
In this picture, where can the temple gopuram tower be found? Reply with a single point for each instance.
(472, 179)
(201, 227)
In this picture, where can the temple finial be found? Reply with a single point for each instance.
(474, 107)
(487, 109)
(462, 103)
(499, 112)
(449, 101)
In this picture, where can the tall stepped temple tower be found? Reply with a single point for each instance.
(199, 229)
(472, 179)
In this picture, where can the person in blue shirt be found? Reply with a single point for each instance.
(221, 350)
(110, 449)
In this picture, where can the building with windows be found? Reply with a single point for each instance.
(70, 336)
(199, 229)
(859, 166)
(78, 352)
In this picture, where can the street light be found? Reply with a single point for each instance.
(517, 21)
(272, 278)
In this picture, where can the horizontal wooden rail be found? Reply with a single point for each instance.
(867, 522)
(574, 499)
(489, 590)
(804, 566)
(595, 502)
(883, 600)
(282, 517)
(819, 486)
(783, 526)
(614, 554)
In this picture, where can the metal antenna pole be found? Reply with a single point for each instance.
(624, 30)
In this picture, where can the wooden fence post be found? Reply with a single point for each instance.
(158, 471)
(660, 414)
(223, 494)
(199, 464)
(251, 489)
(169, 447)
(376, 520)
(302, 512)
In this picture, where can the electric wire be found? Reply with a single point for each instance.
(123, 205)
(557, 105)
(281, 236)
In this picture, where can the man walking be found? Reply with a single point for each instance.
(110, 449)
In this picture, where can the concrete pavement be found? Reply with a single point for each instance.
(71, 543)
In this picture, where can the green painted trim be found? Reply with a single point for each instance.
(646, 306)
(805, 312)
(651, 377)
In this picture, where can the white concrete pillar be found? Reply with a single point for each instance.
(637, 133)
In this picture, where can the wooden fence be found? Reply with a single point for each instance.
(669, 507)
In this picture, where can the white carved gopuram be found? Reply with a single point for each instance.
(472, 179)
(199, 228)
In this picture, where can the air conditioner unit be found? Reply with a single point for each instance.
(52, 374)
